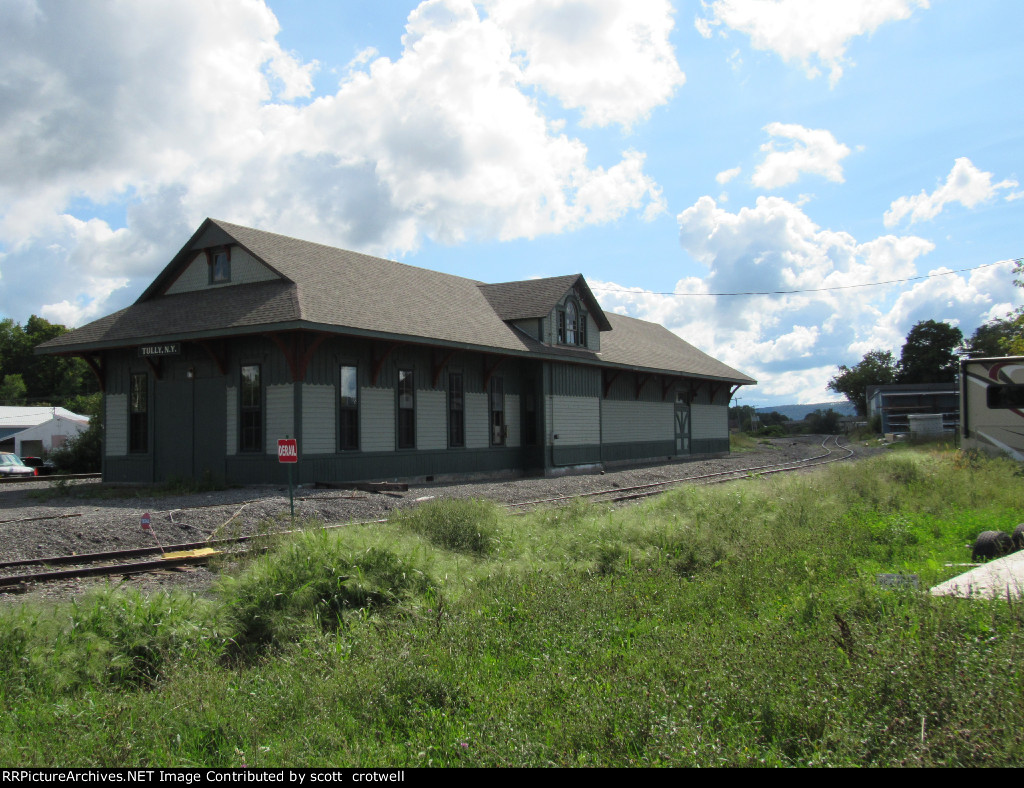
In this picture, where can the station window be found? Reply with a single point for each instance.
(572, 325)
(220, 266)
(456, 411)
(348, 416)
(497, 395)
(251, 437)
(138, 422)
(406, 409)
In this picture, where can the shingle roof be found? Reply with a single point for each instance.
(334, 289)
(537, 297)
(638, 343)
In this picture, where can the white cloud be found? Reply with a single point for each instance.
(792, 342)
(814, 32)
(813, 151)
(965, 184)
(187, 109)
(611, 60)
(727, 175)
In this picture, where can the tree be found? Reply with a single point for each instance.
(993, 338)
(773, 419)
(744, 415)
(929, 354)
(12, 390)
(83, 453)
(877, 368)
(48, 378)
(823, 422)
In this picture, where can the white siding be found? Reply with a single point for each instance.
(244, 269)
(629, 422)
(512, 419)
(709, 421)
(280, 415)
(478, 421)
(232, 421)
(319, 420)
(116, 426)
(576, 420)
(431, 419)
(377, 419)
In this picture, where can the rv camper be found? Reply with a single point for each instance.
(992, 405)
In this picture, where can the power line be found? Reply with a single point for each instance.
(601, 289)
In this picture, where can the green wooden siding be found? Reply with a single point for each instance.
(575, 380)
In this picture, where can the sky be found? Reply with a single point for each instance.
(679, 155)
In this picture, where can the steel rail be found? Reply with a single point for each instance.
(738, 473)
(640, 491)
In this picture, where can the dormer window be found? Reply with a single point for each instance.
(572, 325)
(220, 265)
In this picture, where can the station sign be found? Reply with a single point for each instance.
(287, 450)
(166, 349)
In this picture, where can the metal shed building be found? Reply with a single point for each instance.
(383, 370)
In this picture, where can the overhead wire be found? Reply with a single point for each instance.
(602, 289)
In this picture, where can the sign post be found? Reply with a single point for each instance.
(288, 452)
(146, 523)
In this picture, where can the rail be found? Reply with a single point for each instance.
(98, 564)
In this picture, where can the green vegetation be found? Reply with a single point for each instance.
(174, 486)
(734, 625)
(31, 379)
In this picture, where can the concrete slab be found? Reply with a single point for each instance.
(1002, 578)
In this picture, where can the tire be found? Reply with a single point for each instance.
(991, 544)
(1018, 537)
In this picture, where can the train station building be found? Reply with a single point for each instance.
(382, 370)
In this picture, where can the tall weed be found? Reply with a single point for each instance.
(458, 525)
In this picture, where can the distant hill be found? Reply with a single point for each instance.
(799, 412)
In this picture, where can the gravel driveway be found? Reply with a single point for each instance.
(37, 519)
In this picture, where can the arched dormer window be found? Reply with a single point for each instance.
(572, 324)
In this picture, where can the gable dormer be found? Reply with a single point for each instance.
(211, 259)
(559, 311)
(220, 266)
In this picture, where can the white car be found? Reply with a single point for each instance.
(12, 466)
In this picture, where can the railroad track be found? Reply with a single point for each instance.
(616, 494)
(18, 574)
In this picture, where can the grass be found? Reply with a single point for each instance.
(175, 486)
(735, 625)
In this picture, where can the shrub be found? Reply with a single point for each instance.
(460, 526)
(315, 578)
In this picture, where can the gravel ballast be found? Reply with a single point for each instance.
(38, 519)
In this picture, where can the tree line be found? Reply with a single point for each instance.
(931, 353)
(28, 379)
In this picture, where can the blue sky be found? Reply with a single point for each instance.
(670, 152)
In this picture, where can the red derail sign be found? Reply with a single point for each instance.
(287, 450)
